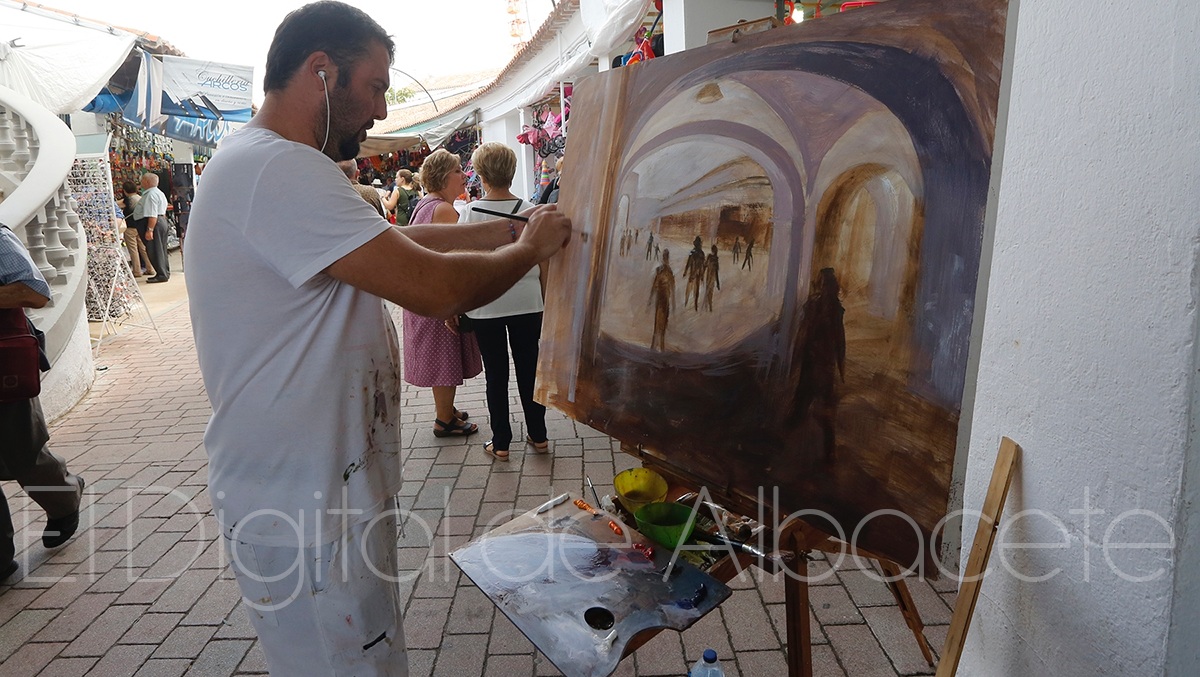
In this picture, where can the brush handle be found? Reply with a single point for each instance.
(489, 212)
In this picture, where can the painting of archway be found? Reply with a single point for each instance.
(772, 285)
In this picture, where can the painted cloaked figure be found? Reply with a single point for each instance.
(693, 270)
(662, 294)
(737, 249)
(820, 356)
(712, 277)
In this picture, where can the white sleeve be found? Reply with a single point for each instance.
(304, 215)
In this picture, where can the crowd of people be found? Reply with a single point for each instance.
(441, 354)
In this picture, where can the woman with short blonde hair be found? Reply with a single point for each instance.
(514, 319)
(496, 164)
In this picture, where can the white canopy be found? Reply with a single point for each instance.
(608, 24)
(58, 61)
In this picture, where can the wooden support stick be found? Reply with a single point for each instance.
(907, 608)
(981, 550)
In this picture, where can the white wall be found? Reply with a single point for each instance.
(87, 123)
(686, 23)
(1088, 351)
(504, 129)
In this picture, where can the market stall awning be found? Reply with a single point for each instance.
(434, 132)
(58, 62)
(382, 144)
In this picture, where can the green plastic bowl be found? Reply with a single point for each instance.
(667, 524)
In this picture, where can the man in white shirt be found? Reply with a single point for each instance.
(153, 208)
(287, 270)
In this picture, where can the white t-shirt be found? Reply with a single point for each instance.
(526, 295)
(302, 370)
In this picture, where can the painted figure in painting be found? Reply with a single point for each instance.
(821, 356)
(737, 249)
(650, 247)
(693, 270)
(712, 277)
(662, 294)
(748, 262)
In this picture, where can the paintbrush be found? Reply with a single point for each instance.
(522, 219)
(489, 212)
(591, 486)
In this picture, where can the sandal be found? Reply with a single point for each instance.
(540, 447)
(462, 415)
(490, 449)
(455, 428)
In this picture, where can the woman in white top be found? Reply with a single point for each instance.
(514, 319)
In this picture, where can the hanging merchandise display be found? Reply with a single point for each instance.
(134, 152)
(463, 142)
(412, 158)
(111, 290)
(545, 134)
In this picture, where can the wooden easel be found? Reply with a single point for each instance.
(805, 539)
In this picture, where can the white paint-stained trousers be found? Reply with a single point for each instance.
(328, 610)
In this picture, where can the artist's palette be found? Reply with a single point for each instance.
(580, 586)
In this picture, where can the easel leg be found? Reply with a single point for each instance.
(799, 637)
(909, 610)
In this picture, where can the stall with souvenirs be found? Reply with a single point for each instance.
(547, 136)
(134, 151)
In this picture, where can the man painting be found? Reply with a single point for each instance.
(286, 280)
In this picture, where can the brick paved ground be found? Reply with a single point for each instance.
(143, 589)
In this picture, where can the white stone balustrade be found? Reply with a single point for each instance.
(36, 153)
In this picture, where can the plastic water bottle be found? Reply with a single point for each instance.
(707, 666)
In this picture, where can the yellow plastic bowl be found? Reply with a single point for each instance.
(637, 487)
(668, 524)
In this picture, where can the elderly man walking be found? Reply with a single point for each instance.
(150, 215)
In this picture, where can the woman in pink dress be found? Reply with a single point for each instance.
(436, 354)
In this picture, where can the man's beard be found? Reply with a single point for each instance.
(343, 142)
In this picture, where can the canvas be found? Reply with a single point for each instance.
(773, 277)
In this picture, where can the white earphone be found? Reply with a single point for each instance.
(325, 86)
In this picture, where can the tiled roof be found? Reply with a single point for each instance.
(449, 91)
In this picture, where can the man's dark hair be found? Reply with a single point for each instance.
(341, 31)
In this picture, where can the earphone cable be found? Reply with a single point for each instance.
(325, 85)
